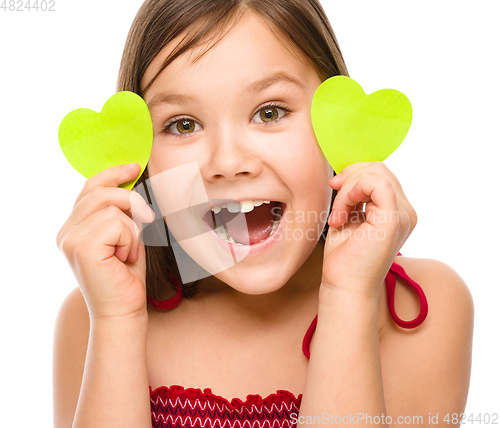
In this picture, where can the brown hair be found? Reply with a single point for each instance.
(299, 24)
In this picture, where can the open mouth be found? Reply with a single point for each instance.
(262, 220)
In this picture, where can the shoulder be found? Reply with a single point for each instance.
(450, 303)
(71, 335)
(73, 314)
(446, 292)
(437, 354)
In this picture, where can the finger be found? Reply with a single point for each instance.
(110, 177)
(95, 220)
(355, 170)
(343, 205)
(102, 197)
(337, 235)
(348, 173)
(362, 189)
(80, 237)
(115, 240)
(375, 188)
(379, 168)
(380, 198)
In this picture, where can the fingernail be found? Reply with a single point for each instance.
(149, 212)
(131, 165)
(336, 178)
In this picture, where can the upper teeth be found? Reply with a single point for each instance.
(243, 206)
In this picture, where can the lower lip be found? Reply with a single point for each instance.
(251, 250)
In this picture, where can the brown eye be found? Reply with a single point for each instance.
(185, 126)
(269, 114)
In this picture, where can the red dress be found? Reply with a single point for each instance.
(179, 407)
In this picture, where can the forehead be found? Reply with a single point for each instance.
(249, 48)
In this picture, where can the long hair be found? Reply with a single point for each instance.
(299, 24)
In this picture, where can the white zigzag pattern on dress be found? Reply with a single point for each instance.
(189, 422)
(222, 407)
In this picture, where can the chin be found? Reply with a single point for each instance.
(253, 282)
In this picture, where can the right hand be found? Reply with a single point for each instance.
(99, 240)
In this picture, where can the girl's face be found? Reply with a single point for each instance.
(242, 113)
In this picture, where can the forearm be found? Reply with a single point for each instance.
(344, 377)
(115, 387)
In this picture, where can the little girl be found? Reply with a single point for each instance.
(305, 326)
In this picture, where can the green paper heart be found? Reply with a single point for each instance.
(351, 126)
(121, 133)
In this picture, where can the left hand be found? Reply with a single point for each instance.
(362, 243)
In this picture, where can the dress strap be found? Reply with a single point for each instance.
(173, 301)
(390, 283)
(306, 343)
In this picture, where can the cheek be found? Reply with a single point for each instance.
(303, 148)
(157, 160)
(305, 168)
(176, 183)
(166, 157)
(170, 179)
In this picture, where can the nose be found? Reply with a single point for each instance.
(231, 155)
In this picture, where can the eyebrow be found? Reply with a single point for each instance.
(253, 88)
(271, 80)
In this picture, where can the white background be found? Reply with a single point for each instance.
(442, 54)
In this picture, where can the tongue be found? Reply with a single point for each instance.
(259, 224)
